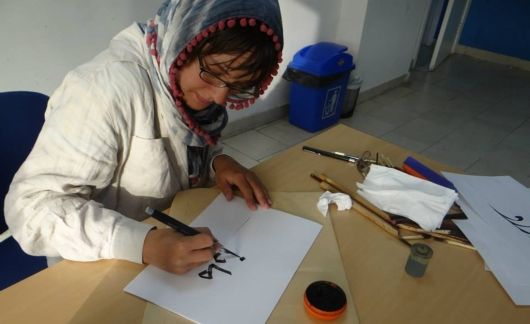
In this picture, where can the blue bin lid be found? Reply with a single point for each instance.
(324, 58)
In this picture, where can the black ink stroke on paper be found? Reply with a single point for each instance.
(219, 258)
(515, 221)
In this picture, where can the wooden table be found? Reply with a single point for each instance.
(455, 288)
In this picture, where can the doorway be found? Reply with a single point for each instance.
(441, 33)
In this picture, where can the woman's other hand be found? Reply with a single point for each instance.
(229, 173)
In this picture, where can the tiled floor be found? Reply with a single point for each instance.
(470, 114)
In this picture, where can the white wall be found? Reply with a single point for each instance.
(392, 31)
(48, 38)
(43, 39)
(351, 21)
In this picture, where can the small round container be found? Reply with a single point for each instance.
(324, 300)
(419, 257)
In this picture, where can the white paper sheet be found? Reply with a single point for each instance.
(273, 242)
(498, 225)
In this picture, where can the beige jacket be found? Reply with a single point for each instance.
(99, 160)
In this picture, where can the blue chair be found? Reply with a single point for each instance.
(21, 119)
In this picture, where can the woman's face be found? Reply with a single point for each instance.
(199, 94)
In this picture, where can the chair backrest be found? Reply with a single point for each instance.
(21, 119)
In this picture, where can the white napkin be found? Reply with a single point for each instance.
(343, 201)
(398, 193)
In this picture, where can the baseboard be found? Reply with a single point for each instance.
(244, 124)
(493, 57)
(377, 90)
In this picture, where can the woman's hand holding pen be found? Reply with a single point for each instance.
(229, 173)
(173, 252)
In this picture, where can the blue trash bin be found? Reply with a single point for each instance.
(319, 75)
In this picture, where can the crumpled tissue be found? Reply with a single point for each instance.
(399, 193)
(343, 201)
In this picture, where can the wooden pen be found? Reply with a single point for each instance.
(355, 196)
(366, 209)
(383, 219)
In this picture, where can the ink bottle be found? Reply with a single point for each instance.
(419, 257)
(324, 300)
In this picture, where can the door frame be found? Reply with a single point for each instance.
(435, 59)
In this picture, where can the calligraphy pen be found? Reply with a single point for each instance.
(332, 154)
(181, 227)
(336, 155)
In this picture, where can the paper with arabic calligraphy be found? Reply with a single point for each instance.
(273, 243)
(498, 225)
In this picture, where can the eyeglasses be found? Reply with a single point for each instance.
(237, 93)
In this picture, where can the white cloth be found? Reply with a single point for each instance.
(398, 193)
(342, 201)
(98, 162)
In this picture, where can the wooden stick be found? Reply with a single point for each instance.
(355, 196)
(377, 221)
(383, 220)
(421, 230)
(327, 187)
(436, 234)
(464, 245)
(330, 185)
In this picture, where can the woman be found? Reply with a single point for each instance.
(140, 122)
